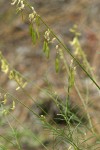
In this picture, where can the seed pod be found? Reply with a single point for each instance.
(71, 77)
(46, 49)
(44, 46)
(33, 34)
(57, 64)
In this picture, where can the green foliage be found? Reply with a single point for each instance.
(71, 133)
(57, 64)
(33, 34)
(46, 49)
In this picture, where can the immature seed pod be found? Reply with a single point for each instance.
(57, 64)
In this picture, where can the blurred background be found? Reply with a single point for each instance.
(28, 59)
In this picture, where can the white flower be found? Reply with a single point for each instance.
(52, 41)
(19, 3)
(47, 35)
(13, 2)
(57, 46)
(33, 15)
(22, 5)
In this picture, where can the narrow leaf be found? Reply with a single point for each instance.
(47, 52)
(37, 21)
(71, 78)
(44, 46)
(33, 34)
(30, 29)
(37, 32)
(57, 64)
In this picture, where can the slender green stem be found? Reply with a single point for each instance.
(89, 118)
(63, 45)
(17, 141)
(7, 140)
(26, 108)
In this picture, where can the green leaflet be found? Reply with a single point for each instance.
(4, 64)
(37, 32)
(47, 52)
(30, 29)
(33, 34)
(71, 78)
(37, 21)
(57, 64)
(44, 46)
(46, 49)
